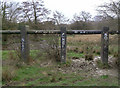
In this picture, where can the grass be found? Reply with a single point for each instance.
(8, 73)
(104, 76)
(93, 41)
(102, 65)
(34, 53)
(33, 76)
(5, 53)
(73, 54)
(36, 75)
(28, 72)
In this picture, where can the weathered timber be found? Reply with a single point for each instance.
(63, 44)
(104, 45)
(24, 44)
(57, 32)
(10, 32)
(119, 47)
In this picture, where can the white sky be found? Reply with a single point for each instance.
(70, 7)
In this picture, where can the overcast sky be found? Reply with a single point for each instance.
(70, 7)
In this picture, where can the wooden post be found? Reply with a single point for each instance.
(24, 44)
(63, 44)
(104, 45)
(118, 64)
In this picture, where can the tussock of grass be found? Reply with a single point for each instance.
(104, 76)
(89, 57)
(8, 74)
(102, 65)
(40, 75)
(116, 54)
(73, 54)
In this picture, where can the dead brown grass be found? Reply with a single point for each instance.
(88, 38)
(83, 38)
(8, 73)
(90, 44)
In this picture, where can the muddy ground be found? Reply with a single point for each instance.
(90, 68)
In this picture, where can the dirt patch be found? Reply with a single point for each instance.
(78, 66)
(90, 67)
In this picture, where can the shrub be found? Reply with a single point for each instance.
(104, 76)
(115, 54)
(67, 64)
(8, 73)
(81, 51)
(12, 56)
(13, 60)
(93, 51)
(50, 48)
(75, 57)
(89, 57)
(102, 65)
(97, 52)
(76, 50)
(17, 56)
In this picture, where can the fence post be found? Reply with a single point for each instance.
(24, 44)
(104, 44)
(63, 44)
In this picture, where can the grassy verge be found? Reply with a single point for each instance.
(36, 75)
(73, 54)
(48, 76)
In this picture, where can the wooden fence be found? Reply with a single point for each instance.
(25, 46)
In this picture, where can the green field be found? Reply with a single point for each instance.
(37, 75)
(43, 71)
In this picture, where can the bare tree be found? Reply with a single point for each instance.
(107, 15)
(76, 17)
(86, 16)
(81, 21)
(3, 12)
(34, 11)
(59, 18)
(109, 10)
(82, 16)
(10, 11)
(13, 11)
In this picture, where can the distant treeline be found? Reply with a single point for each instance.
(37, 16)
